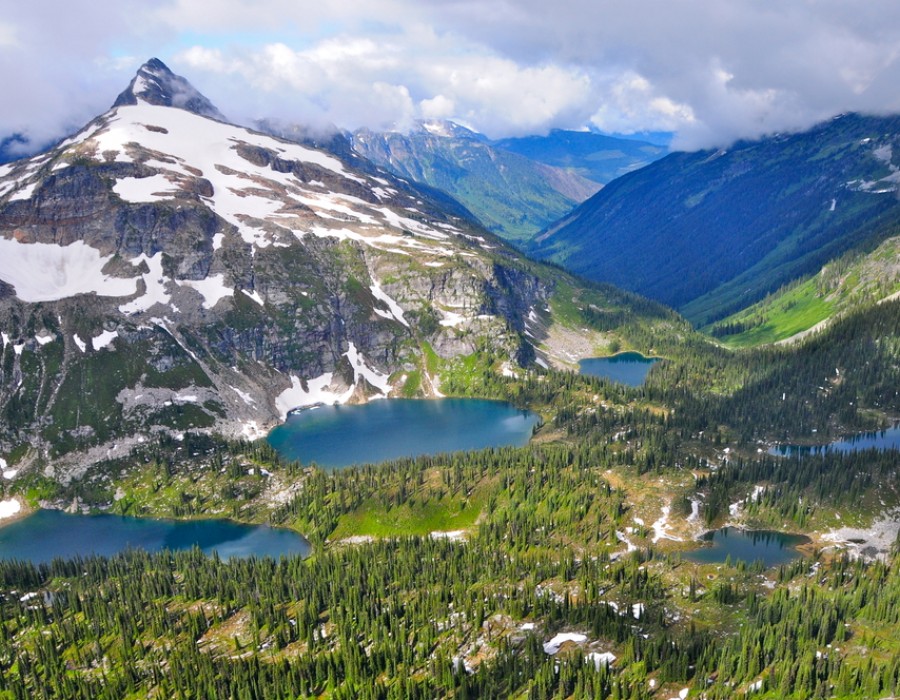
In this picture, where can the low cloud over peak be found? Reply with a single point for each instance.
(708, 71)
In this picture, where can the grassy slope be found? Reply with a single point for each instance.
(842, 285)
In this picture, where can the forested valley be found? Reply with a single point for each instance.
(552, 543)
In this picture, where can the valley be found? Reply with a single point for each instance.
(207, 327)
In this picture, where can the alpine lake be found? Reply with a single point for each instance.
(334, 437)
(48, 534)
(331, 437)
(628, 368)
(888, 439)
(770, 547)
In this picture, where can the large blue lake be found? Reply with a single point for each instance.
(48, 534)
(628, 368)
(883, 440)
(773, 548)
(338, 436)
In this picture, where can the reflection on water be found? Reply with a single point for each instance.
(628, 368)
(48, 534)
(338, 436)
(769, 546)
(882, 440)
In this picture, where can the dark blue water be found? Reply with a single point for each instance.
(338, 436)
(47, 534)
(628, 368)
(883, 440)
(773, 548)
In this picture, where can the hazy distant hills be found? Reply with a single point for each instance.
(513, 196)
(597, 157)
(711, 232)
(515, 186)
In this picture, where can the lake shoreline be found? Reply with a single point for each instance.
(53, 533)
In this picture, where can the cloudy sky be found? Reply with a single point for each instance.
(708, 70)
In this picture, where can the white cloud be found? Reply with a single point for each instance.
(356, 81)
(8, 35)
(710, 70)
(438, 107)
(633, 104)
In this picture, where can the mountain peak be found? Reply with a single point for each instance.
(155, 84)
(447, 129)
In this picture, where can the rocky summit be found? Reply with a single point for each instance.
(165, 270)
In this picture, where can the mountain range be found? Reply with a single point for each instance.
(163, 269)
(514, 187)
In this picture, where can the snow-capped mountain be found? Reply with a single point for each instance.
(155, 84)
(163, 269)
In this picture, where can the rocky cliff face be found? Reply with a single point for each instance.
(164, 270)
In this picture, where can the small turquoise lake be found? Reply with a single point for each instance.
(47, 534)
(629, 368)
(771, 547)
(882, 440)
(338, 436)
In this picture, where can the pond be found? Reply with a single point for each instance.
(772, 547)
(47, 534)
(883, 440)
(629, 368)
(338, 436)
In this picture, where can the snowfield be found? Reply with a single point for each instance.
(49, 272)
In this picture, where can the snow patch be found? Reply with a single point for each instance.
(360, 369)
(552, 647)
(155, 188)
(601, 659)
(695, 511)
(255, 296)
(155, 282)
(451, 319)
(24, 193)
(213, 289)
(661, 526)
(245, 397)
(50, 272)
(317, 392)
(104, 339)
(9, 508)
(396, 312)
(80, 343)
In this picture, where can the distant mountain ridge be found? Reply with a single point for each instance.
(513, 196)
(597, 157)
(514, 186)
(712, 232)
